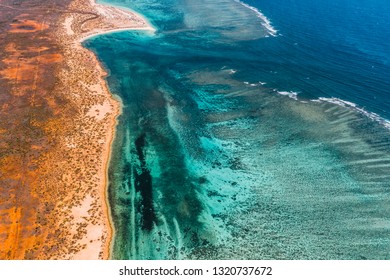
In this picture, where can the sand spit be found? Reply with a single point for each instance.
(53, 168)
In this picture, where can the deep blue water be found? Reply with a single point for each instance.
(224, 149)
(333, 49)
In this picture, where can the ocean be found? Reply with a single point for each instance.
(251, 130)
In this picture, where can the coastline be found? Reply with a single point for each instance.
(90, 36)
(110, 19)
(60, 122)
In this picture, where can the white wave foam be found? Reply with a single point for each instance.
(343, 103)
(291, 94)
(266, 22)
(347, 104)
(249, 84)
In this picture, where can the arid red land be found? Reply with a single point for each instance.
(57, 121)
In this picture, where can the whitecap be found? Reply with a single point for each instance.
(347, 104)
(291, 94)
(266, 22)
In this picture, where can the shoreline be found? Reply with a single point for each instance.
(117, 30)
(109, 19)
(114, 121)
(147, 26)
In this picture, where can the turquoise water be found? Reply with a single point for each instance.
(230, 146)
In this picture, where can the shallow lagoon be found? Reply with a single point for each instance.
(210, 161)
